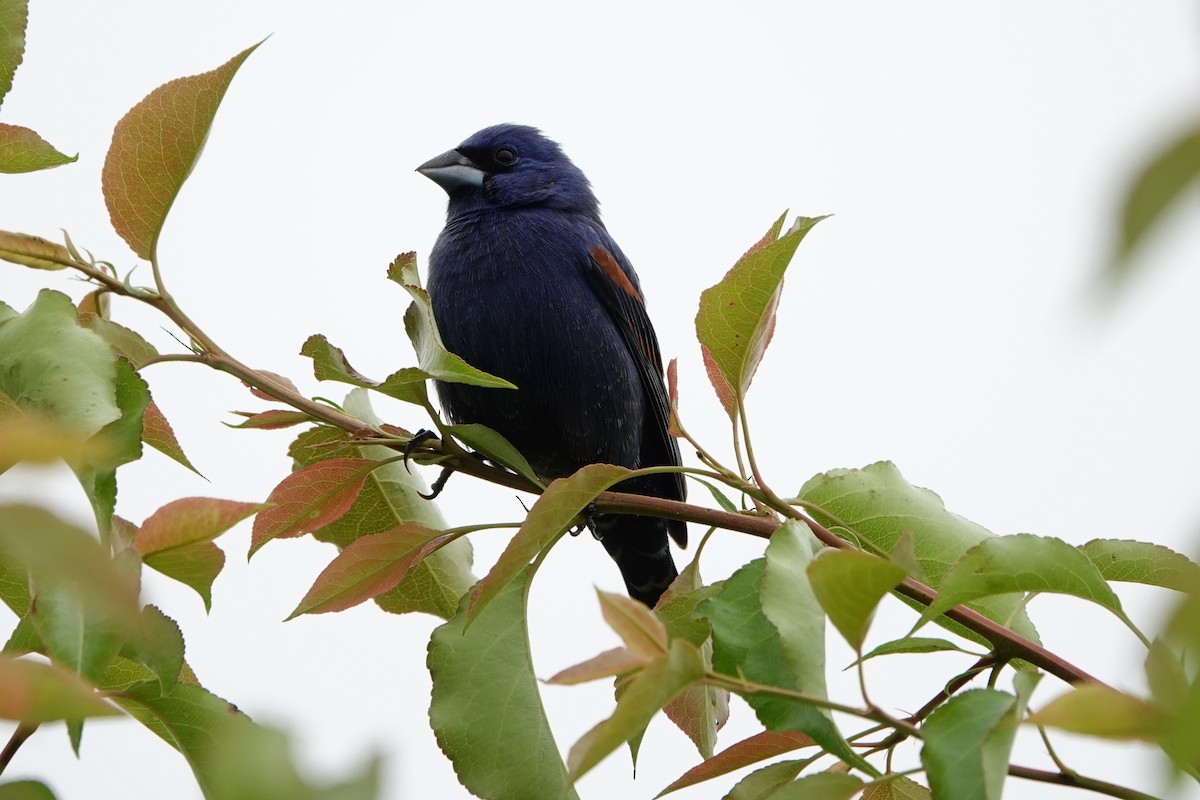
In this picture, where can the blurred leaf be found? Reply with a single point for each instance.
(370, 566)
(255, 763)
(49, 365)
(1166, 676)
(651, 689)
(877, 506)
(159, 434)
(639, 629)
(189, 718)
(25, 790)
(762, 783)
(1022, 563)
(967, 745)
(154, 148)
(82, 636)
(123, 341)
(757, 748)
(123, 439)
(23, 150)
(1141, 562)
(737, 316)
(746, 646)
(849, 585)
(1095, 710)
(555, 510)
(311, 498)
(432, 355)
(674, 427)
(486, 710)
(14, 583)
(33, 692)
(822, 786)
(32, 251)
(484, 440)
(14, 17)
(37, 440)
(900, 788)
(1161, 182)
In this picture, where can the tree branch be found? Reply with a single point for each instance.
(1079, 782)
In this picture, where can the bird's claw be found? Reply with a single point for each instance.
(419, 438)
(439, 484)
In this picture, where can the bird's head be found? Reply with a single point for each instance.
(510, 165)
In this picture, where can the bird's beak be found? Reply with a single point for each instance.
(452, 171)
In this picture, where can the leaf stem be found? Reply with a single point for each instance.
(19, 737)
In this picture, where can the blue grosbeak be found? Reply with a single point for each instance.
(527, 284)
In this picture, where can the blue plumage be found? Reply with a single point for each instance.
(527, 284)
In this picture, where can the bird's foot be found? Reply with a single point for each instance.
(419, 438)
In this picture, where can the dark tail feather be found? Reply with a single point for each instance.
(639, 546)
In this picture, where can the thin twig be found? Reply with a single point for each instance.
(20, 735)
(1079, 782)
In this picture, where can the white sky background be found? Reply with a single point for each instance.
(973, 160)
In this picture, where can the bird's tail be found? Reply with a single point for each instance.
(639, 546)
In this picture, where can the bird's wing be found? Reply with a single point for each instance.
(616, 287)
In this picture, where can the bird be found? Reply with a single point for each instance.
(527, 284)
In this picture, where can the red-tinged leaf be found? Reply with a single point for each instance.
(94, 304)
(33, 692)
(701, 711)
(154, 148)
(159, 434)
(370, 566)
(606, 665)
(23, 150)
(283, 381)
(271, 420)
(551, 515)
(725, 392)
(190, 520)
(32, 251)
(674, 427)
(897, 788)
(760, 747)
(14, 17)
(311, 498)
(736, 319)
(642, 632)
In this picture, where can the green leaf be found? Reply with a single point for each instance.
(189, 718)
(1159, 185)
(122, 340)
(391, 497)
(1141, 562)
(737, 316)
(154, 148)
(123, 440)
(81, 636)
(32, 251)
(900, 788)
(311, 498)
(35, 692)
(822, 786)
(25, 790)
(759, 747)
(641, 631)
(486, 710)
(195, 565)
(747, 646)
(914, 644)
(651, 689)
(484, 440)
(849, 585)
(762, 783)
(14, 17)
(1100, 711)
(330, 364)
(555, 510)
(370, 566)
(432, 355)
(49, 365)
(876, 506)
(158, 644)
(967, 743)
(271, 419)
(23, 150)
(608, 664)
(1022, 563)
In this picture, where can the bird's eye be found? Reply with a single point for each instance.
(504, 156)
